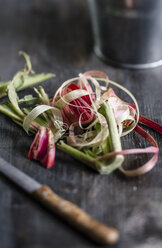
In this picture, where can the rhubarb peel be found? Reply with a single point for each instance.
(84, 118)
(43, 147)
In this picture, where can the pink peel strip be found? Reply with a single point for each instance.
(152, 162)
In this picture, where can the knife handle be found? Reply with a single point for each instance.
(76, 217)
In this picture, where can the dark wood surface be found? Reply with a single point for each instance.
(57, 35)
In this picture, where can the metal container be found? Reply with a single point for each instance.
(128, 33)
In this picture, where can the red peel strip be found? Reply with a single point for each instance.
(146, 135)
(85, 98)
(86, 114)
(147, 166)
(72, 114)
(152, 124)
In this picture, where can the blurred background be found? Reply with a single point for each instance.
(57, 29)
(125, 33)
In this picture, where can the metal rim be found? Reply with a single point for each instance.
(125, 65)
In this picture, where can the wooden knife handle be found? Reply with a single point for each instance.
(76, 216)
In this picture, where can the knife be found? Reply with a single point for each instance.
(70, 212)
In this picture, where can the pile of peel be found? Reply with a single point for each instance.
(85, 118)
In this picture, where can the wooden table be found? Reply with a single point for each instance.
(57, 35)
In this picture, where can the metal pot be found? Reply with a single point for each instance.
(128, 33)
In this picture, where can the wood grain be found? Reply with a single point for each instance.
(76, 217)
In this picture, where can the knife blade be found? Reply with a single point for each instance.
(70, 212)
(18, 177)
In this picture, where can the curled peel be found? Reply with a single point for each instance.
(152, 149)
(36, 112)
(76, 104)
(126, 115)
